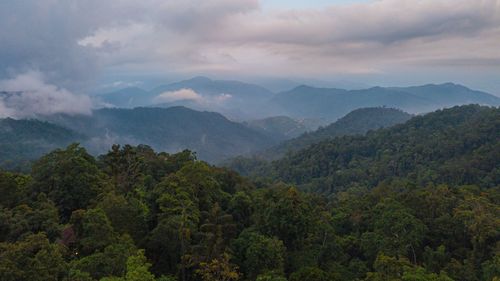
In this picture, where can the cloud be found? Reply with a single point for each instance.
(182, 94)
(72, 42)
(27, 95)
(208, 102)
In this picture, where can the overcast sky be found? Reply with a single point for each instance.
(73, 44)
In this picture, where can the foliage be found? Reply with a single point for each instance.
(134, 214)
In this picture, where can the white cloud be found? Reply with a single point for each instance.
(28, 95)
(208, 101)
(182, 94)
(222, 98)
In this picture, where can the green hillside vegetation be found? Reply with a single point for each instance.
(457, 146)
(133, 214)
(22, 141)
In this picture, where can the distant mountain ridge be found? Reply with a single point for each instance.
(245, 101)
(306, 101)
(232, 98)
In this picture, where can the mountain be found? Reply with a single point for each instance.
(232, 98)
(212, 136)
(329, 103)
(456, 146)
(284, 127)
(127, 98)
(22, 141)
(209, 87)
(357, 122)
(451, 94)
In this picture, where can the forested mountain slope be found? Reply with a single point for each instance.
(460, 145)
(22, 141)
(357, 122)
(210, 134)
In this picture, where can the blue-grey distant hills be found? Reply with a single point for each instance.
(328, 103)
(231, 98)
(244, 101)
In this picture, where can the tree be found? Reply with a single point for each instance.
(70, 178)
(14, 188)
(271, 276)
(33, 258)
(137, 269)
(214, 234)
(258, 254)
(219, 269)
(111, 261)
(93, 231)
(310, 274)
(286, 214)
(396, 231)
(126, 215)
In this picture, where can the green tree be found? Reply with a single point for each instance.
(271, 276)
(137, 269)
(126, 215)
(310, 274)
(32, 258)
(219, 269)
(70, 178)
(93, 231)
(258, 254)
(396, 231)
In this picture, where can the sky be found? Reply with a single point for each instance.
(78, 47)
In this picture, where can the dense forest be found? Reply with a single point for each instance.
(418, 201)
(458, 146)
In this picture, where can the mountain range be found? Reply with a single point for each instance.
(330, 104)
(275, 123)
(245, 101)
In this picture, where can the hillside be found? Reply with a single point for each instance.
(22, 141)
(305, 101)
(284, 127)
(127, 97)
(210, 134)
(460, 145)
(357, 122)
